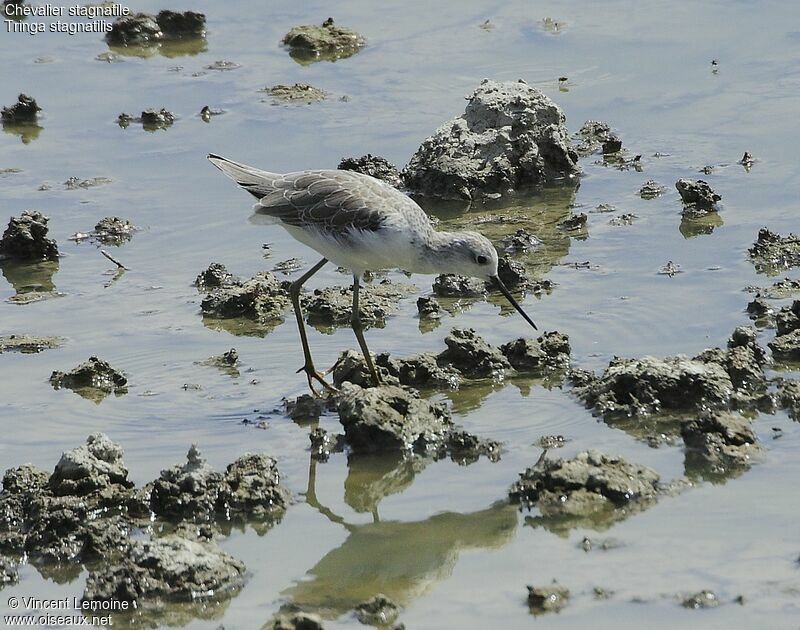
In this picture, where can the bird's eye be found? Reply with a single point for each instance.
(481, 260)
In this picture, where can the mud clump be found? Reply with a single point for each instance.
(171, 567)
(297, 93)
(465, 448)
(453, 286)
(420, 370)
(249, 487)
(8, 572)
(329, 41)
(150, 119)
(701, 599)
(306, 407)
(789, 397)
(548, 352)
(472, 356)
(428, 307)
(697, 196)
(136, 30)
(216, 275)
(717, 442)
(73, 513)
(511, 273)
(772, 252)
(333, 306)
(142, 29)
(787, 346)
(323, 444)
(651, 189)
(545, 599)
(511, 137)
(95, 466)
(592, 482)
(715, 379)
(94, 378)
(25, 239)
(377, 611)
(177, 25)
(596, 136)
(788, 318)
(25, 110)
(113, 231)
(389, 418)
(262, 298)
(374, 166)
(28, 344)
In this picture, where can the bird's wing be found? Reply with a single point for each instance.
(335, 201)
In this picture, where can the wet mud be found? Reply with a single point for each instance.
(94, 379)
(297, 93)
(772, 253)
(28, 344)
(329, 41)
(25, 239)
(510, 138)
(142, 29)
(374, 166)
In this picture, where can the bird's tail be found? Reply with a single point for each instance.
(255, 181)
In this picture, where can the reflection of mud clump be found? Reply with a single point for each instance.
(250, 486)
(697, 196)
(332, 306)
(261, 298)
(142, 29)
(8, 572)
(94, 379)
(329, 41)
(590, 483)
(714, 379)
(390, 418)
(511, 137)
(377, 611)
(550, 598)
(25, 239)
(718, 442)
(297, 621)
(772, 252)
(374, 166)
(297, 93)
(170, 567)
(25, 110)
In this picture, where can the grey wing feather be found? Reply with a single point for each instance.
(337, 201)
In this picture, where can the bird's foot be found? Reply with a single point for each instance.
(312, 375)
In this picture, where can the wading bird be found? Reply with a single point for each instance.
(360, 223)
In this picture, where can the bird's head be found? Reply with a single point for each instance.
(472, 254)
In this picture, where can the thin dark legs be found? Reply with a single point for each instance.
(294, 292)
(358, 329)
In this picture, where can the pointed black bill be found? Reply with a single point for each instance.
(511, 299)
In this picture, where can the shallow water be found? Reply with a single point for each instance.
(435, 536)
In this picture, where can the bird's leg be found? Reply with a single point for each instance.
(358, 329)
(308, 367)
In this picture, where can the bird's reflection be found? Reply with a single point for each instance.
(399, 559)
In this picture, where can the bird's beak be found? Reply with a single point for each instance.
(511, 299)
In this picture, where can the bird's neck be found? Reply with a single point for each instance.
(436, 252)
